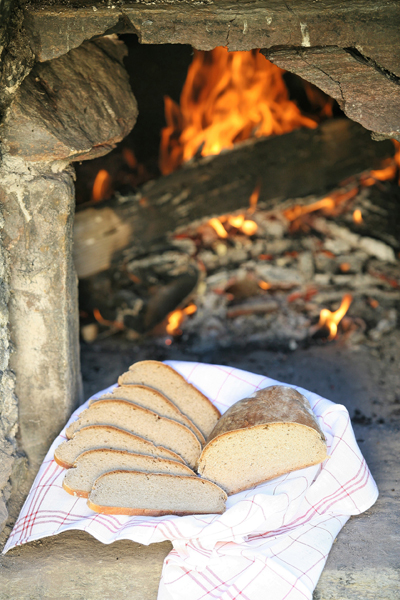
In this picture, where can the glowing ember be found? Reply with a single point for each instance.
(357, 216)
(236, 221)
(254, 199)
(102, 186)
(331, 320)
(105, 322)
(129, 158)
(298, 211)
(373, 302)
(249, 227)
(389, 170)
(264, 285)
(218, 227)
(176, 318)
(227, 97)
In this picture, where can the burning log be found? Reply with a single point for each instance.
(296, 164)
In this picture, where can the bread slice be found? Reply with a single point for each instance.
(93, 463)
(104, 436)
(143, 422)
(185, 396)
(153, 400)
(155, 494)
(259, 438)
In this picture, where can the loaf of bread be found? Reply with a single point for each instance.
(142, 422)
(259, 438)
(93, 463)
(190, 401)
(148, 398)
(155, 494)
(104, 436)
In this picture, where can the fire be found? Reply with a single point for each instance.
(246, 226)
(264, 285)
(298, 211)
(227, 97)
(357, 216)
(390, 170)
(176, 318)
(105, 322)
(102, 186)
(331, 205)
(331, 320)
(236, 221)
(254, 199)
(218, 227)
(249, 227)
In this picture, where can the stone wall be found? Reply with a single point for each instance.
(72, 108)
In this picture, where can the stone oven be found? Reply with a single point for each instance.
(65, 98)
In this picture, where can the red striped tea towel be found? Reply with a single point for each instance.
(272, 539)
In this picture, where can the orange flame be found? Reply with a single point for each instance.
(218, 227)
(249, 227)
(227, 97)
(176, 318)
(264, 285)
(332, 319)
(102, 186)
(357, 216)
(254, 199)
(105, 322)
(389, 171)
(236, 221)
(298, 211)
(129, 157)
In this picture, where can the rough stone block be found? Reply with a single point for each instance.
(38, 211)
(75, 107)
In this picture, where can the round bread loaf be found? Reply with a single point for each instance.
(272, 432)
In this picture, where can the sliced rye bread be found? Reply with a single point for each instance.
(190, 401)
(105, 436)
(153, 400)
(143, 422)
(262, 437)
(155, 494)
(79, 480)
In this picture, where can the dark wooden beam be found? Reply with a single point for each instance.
(299, 163)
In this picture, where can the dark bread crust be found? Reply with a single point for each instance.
(274, 404)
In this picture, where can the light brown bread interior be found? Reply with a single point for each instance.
(190, 401)
(259, 438)
(242, 459)
(143, 422)
(153, 400)
(103, 436)
(90, 465)
(133, 493)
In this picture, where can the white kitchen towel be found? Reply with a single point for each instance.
(272, 541)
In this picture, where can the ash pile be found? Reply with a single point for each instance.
(309, 272)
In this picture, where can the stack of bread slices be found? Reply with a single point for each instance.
(134, 451)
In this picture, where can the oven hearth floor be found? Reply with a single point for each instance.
(364, 563)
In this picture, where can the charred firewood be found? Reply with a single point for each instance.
(296, 164)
